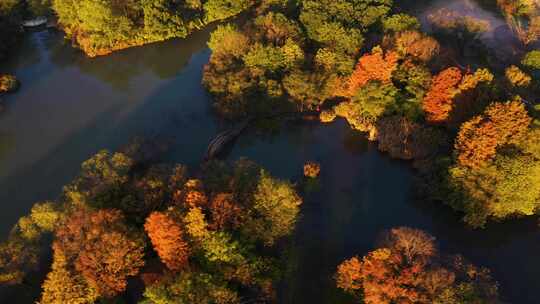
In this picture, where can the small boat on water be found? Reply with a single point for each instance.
(35, 22)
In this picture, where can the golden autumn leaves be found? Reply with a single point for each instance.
(205, 232)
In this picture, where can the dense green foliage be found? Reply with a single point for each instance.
(289, 58)
(370, 102)
(100, 27)
(400, 23)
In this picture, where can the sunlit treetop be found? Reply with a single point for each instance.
(400, 23)
(407, 268)
(532, 60)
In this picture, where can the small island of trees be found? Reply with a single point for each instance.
(212, 239)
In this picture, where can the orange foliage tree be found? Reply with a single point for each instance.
(100, 247)
(500, 124)
(167, 237)
(408, 269)
(438, 102)
(388, 275)
(194, 195)
(375, 66)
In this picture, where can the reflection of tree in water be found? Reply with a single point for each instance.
(355, 142)
(269, 130)
(472, 30)
(6, 143)
(27, 53)
(163, 59)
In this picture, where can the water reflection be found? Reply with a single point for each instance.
(5, 145)
(69, 107)
(164, 59)
(363, 192)
(497, 38)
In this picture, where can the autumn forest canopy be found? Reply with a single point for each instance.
(190, 240)
(433, 91)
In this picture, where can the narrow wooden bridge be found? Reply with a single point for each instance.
(221, 141)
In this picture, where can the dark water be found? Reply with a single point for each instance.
(70, 107)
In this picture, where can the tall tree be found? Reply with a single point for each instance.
(167, 237)
(438, 102)
(65, 286)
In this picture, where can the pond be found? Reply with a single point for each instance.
(70, 107)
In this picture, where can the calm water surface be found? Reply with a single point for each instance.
(70, 107)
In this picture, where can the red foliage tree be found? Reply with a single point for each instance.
(99, 245)
(438, 102)
(166, 236)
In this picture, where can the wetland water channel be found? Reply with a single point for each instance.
(70, 107)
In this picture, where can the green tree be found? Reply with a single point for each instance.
(190, 287)
(309, 89)
(415, 80)
(223, 9)
(101, 26)
(334, 61)
(400, 23)
(352, 13)
(160, 22)
(275, 28)
(375, 99)
(532, 60)
(269, 58)
(509, 186)
(276, 206)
